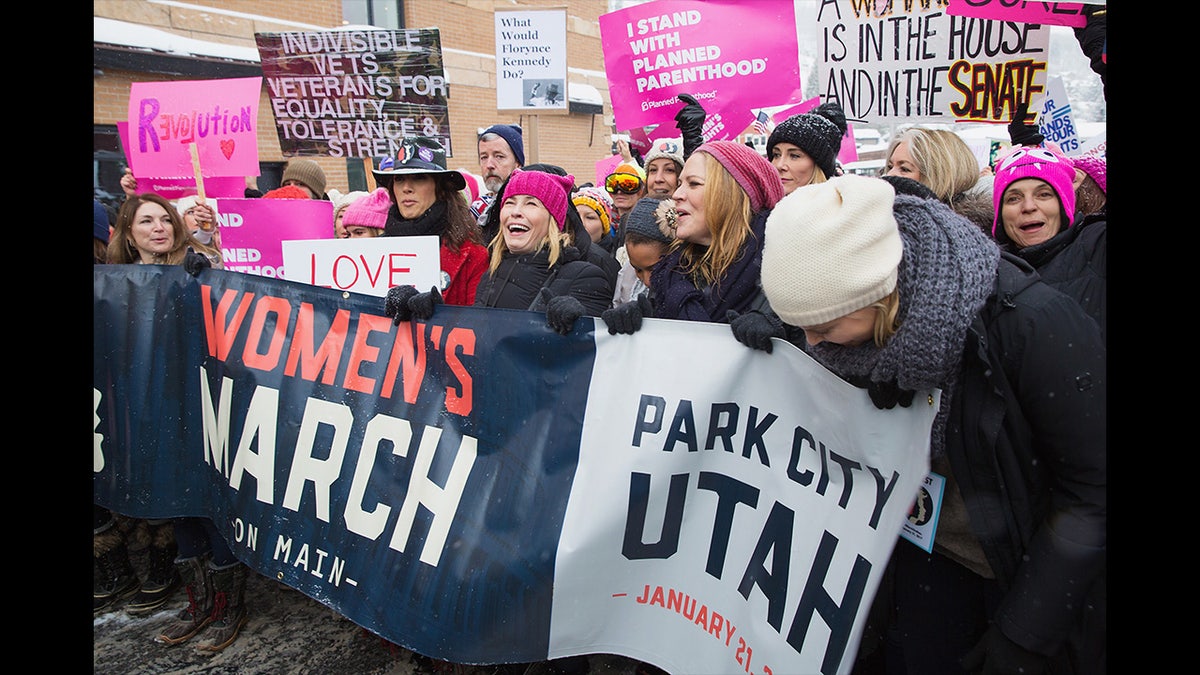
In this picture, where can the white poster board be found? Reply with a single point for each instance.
(370, 266)
(1055, 121)
(531, 60)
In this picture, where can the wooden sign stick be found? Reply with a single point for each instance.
(196, 170)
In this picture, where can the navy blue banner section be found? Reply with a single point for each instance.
(414, 478)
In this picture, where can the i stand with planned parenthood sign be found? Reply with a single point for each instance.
(531, 66)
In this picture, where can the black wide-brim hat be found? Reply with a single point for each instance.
(418, 154)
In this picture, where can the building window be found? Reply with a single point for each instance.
(378, 13)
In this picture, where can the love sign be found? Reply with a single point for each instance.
(370, 266)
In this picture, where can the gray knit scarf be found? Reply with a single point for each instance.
(946, 274)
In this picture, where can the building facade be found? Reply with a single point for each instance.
(159, 40)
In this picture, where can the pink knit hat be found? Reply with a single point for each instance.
(1094, 166)
(752, 171)
(369, 211)
(549, 189)
(1033, 161)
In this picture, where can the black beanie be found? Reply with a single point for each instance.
(817, 132)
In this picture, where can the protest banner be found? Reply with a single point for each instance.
(369, 265)
(253, 231)
(1068, 14)
(219, 116)
(355, 93)
(657, 50)
(174, 188)
(480, 489)
(913, 63)
(531, 60)
(1055, 122)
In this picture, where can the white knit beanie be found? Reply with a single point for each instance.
(830, 249)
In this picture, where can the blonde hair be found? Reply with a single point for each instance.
(555, 239)
(727, 212)
(886, 310)
(947, 165)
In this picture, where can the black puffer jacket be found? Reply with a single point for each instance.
(518, 280)
(1027, 442)
(1075, 261)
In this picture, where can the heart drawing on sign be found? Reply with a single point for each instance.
(227, 148)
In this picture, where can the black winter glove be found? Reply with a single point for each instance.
(194, 262)
(396, 304)
(997, 655)
(561, 311)
(885, 395)
(690, 122)
(627, 318)
(421, 305)
(1021, 133)
(755, 329)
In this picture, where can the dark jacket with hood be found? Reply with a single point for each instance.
(1027, 442)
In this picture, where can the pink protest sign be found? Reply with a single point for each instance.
(253, 231)
(657, 50)
(1044, 13)
(219, 116)
(849, 150)
(605, 167)
(174, 188)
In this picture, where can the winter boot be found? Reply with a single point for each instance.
(160, 578)
(229, 608)
(198, 612)
(115, 579)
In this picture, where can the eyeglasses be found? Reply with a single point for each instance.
(624, 183)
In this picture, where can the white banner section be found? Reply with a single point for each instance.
(732, 513)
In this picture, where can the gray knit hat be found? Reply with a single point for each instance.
(830, 249)
(817, 132)
(652, 218)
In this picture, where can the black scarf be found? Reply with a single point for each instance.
(433, 221)
(676, 295)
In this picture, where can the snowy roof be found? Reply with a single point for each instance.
(137, 36)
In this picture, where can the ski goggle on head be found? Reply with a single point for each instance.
(624, 183)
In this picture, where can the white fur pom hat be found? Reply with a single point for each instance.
(830, 249)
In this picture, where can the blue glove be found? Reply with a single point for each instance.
(997, 655)
(561, 311)
(421, 305)
(627, 318)
(194, 262)
(396, 304)
(755, 329)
